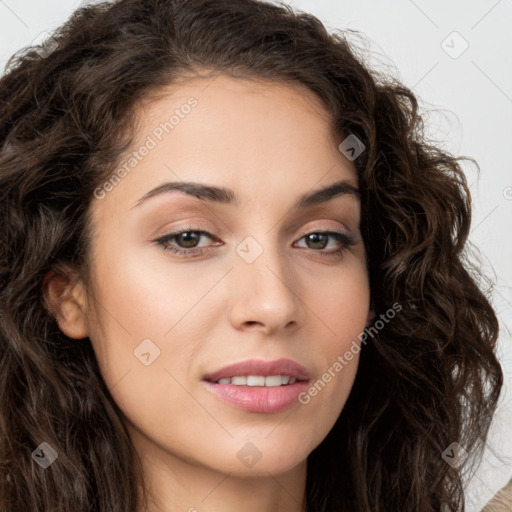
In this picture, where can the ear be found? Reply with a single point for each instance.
(64, 296)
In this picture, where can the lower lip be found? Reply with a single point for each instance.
(260, 399)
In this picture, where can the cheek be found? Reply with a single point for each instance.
(341, 300)
(342, 310)
(144, 339)
(149, 312)
(148, 297)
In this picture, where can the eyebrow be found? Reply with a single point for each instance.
(227, 196)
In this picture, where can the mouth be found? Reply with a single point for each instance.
(259, 386)
(269, 381)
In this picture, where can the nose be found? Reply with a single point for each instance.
(265, 295)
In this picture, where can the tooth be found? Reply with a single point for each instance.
(255, 380)
(258, 380)
(273, 380)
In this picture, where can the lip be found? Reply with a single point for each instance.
(260, 367)
(259, 399)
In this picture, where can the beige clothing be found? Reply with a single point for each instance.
(502, 501)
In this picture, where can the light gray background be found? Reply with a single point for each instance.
(471, 93)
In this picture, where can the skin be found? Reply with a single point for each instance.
(270, 143)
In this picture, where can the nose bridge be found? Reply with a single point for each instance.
(265, 289)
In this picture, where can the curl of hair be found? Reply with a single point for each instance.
(429, 378)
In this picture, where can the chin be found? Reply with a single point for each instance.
(258, 459)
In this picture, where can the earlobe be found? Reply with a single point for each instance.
(64, 297)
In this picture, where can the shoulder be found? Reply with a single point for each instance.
(502, 500)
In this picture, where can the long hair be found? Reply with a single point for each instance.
(428, 381)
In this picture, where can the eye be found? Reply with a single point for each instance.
(319, 240)
(187, 241)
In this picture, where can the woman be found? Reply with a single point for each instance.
(233, 273)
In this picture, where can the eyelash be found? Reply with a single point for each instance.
(345, 240)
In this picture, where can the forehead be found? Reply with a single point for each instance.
(255, 137)
(235, 103)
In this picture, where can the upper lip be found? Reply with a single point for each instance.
(260, 367)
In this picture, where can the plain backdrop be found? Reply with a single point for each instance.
(456, 58)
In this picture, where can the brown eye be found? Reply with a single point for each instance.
(318, 240)
(187, 239)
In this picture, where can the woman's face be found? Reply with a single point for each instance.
(255, 286)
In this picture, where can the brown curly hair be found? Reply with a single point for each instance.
(430, 378)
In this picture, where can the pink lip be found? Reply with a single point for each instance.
(259, 399)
